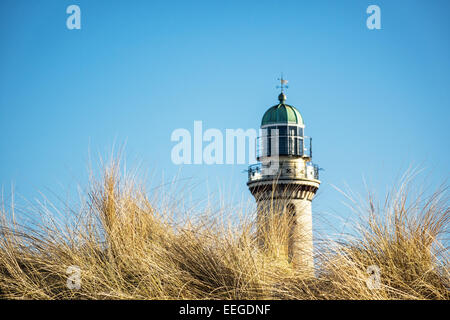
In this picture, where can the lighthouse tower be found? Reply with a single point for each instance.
(284, 181)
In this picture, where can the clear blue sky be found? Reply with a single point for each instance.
(374, 101)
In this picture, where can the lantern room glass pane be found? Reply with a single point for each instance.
(288, 137)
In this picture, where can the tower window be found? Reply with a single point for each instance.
(290, 208)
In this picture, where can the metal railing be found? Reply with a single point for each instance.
(265, 171)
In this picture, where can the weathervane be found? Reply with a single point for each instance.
(283, 83)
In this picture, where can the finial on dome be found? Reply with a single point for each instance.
(282, 86)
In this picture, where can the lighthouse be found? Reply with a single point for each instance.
(285, 180)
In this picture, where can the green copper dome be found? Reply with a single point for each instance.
(282, 113)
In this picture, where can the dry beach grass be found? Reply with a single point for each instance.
(125, 248)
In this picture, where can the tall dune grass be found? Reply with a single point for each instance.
(127, 248)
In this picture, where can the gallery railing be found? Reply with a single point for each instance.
(273, 170)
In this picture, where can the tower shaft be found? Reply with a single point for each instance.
(286, 196)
